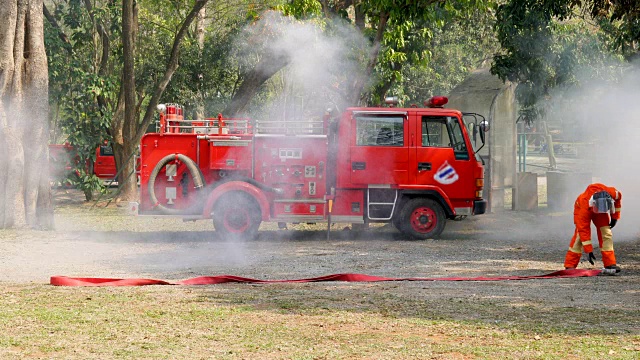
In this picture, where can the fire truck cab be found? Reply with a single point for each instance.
(413, 167)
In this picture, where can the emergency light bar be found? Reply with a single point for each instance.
(436, 102)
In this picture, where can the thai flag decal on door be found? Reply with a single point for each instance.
(446, 174)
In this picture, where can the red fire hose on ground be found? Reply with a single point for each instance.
(221, 279)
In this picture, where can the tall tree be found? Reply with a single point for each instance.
(25, 195)
(83, 36)
(385, 23)
(130, 125)
(448, 55)
(200, 35)
(540, 45)
(84, 57)
(210, 62)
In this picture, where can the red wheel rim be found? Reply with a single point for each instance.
(423, 219)
(236, 220)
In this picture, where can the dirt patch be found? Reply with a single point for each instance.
(103, 242)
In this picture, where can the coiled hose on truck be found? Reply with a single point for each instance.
(194, 171)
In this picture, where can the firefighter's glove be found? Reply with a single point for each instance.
(592, 258)
(613, 223)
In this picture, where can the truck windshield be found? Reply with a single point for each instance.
(380, 130)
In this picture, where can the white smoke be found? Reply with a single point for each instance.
(324, 60)
(604, 115)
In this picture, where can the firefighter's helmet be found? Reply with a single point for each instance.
(601, 202)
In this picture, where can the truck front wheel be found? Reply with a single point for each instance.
(422, 219)
(236, 215)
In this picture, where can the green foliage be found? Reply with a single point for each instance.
(431, 48)
(447, 56)
(620, 21)
(86, 125)
(87, 182)
(84, 122)
(301, 9)
(75, 83)
(405, 43)
(211, 75)
(525, 31)
(207, 76)
(544, 44)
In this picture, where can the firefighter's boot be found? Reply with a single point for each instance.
(611, 270)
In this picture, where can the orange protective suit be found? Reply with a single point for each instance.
(582, 218)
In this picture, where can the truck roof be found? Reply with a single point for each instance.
(442, 111)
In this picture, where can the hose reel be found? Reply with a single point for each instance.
(194, 171)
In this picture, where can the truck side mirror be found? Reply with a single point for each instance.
(484, 127)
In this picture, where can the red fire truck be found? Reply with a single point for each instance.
(62, 156)
(413, 167)
(63, 159)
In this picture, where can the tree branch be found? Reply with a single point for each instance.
(359, 85)
(52, 20)
(270, 64)
(172, 65)
(106, 44)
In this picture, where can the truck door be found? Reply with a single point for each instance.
(442, 156)
(379, 150)
(105, 165)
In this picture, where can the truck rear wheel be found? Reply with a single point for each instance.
(236, 215)
(422, 219)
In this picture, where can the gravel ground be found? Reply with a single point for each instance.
(102, 242)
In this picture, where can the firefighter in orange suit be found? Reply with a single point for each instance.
(601, 204)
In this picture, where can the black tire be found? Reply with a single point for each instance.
(237, 215)
(395, 221)
(422, 219)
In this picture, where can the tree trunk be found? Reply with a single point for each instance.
(200, 31)
(115, 127)
(360, 16)
(127, 187)
(128, 128)
(358, 92)
(25, 194)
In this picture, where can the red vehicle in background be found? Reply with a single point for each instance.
(105, 165)
(62, 157)
(413, 167)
